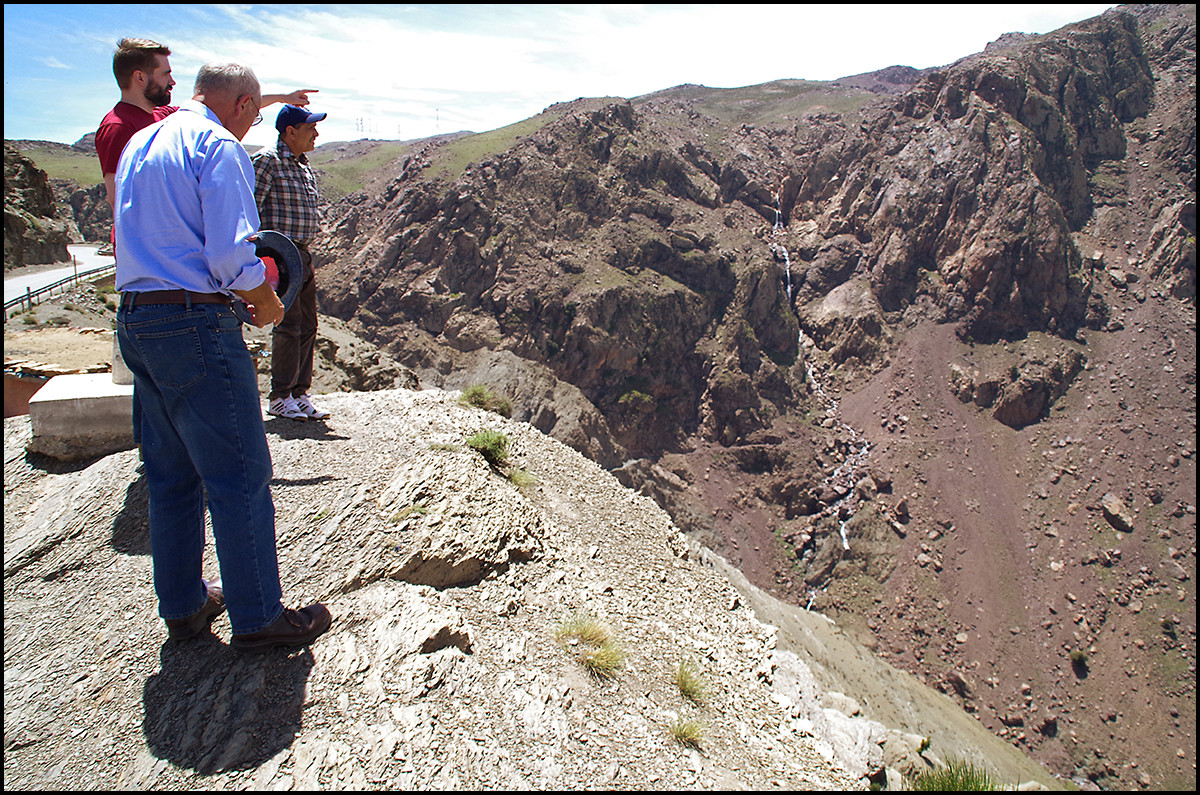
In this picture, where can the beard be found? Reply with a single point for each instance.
(159, 95)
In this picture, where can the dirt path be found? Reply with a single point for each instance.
(63, 349)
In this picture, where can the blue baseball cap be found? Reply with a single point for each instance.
(293, 116)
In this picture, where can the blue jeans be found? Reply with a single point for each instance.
(203, 435)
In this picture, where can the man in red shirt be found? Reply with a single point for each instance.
(144, 76)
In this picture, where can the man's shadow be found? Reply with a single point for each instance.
(210, 708)
(310, 429)
(131, 525)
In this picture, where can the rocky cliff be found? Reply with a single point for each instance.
(664, 265)
(89, 210)
(34, 234)
(79, 199)
(789, 312)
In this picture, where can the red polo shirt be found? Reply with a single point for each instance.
(119, 126)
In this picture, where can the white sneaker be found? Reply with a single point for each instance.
(286, 407)
(310, 411)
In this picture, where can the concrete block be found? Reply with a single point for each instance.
(120, 371)
(81, 416)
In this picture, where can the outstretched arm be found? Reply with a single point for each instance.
(297, 97)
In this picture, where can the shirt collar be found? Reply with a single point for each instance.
(284, 151)
(196, 106)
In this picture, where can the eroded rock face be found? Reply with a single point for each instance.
(682, 296)
(1172, 247)
(623, 251)
(456, 491)
(90, 210)
(1020, 387)
(33, 232)
(444, 628)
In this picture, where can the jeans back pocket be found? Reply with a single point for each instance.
(175, 359)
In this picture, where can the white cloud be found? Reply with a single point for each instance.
(413, 70)
(53, 63)
(404, 80)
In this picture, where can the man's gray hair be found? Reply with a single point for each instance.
(226, 79)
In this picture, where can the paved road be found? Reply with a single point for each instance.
(86, 259)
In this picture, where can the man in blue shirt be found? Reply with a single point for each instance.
(185, 222)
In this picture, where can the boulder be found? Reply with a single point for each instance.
(454, 536)
(902, 751)
(1116, 512)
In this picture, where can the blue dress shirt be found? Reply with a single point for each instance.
(185, 208)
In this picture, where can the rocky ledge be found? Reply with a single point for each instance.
(451, 580)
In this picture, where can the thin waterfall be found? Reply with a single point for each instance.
(787, 267)
(780, 249)
(857, 449)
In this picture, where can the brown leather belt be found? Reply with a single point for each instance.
(173, 297)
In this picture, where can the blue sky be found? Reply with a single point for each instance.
(408, 71)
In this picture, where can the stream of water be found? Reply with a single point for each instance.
(857, 449)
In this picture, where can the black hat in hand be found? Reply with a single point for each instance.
(270, 243)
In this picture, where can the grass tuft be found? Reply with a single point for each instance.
(492, 445)
(583, 628)
(603, 661)
(416, 509)
(600, 655)
(522, 479)
(956, 775)
(688, 732)
(691, 683)
(480, 396)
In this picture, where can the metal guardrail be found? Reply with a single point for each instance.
(31, 296)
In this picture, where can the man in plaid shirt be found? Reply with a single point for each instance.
(286, 192)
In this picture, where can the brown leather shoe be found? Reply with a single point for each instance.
(292, 628)
(201, 620)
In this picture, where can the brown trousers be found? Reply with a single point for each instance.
(294, 338)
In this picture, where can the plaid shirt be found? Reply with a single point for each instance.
(285, 189)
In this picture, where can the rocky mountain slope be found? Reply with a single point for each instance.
(33, 232)
(451, 581)
(906, 354)
(77, 204)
